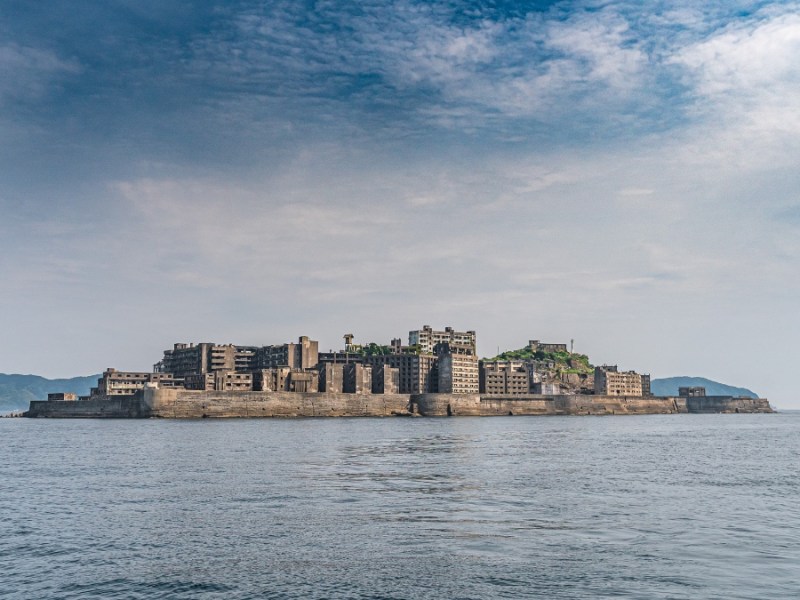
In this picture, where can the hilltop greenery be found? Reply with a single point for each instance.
(564, 362)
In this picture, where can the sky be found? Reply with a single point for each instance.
(617, 173)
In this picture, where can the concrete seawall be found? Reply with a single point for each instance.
(125, 407)
(188, 404)
(725, 404)
(191, 404)
(489, 405)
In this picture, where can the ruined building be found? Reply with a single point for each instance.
(609, 381)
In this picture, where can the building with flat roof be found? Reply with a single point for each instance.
(127, 383)
(302, 355)
(692, 392)
(427, 338)
(609, 381)
(417, 373)
(506, 377)
(537, 346)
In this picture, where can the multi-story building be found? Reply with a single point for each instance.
(457, 371)
(195, 359)
(127, 383)
(427, 338)
(506, 377)
(646, 391)
(609, 381)
(417, 373)
(302, 355)
(341, 357)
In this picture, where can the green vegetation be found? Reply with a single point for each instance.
(373, 349)
(563, 362)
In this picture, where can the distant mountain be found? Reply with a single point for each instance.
(16, 391)
(669, 387)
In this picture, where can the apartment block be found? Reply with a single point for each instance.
(609, 381)
(506, 377)
(457, 371)
(417, 373)
(427, 338)
(302, 355)
(127, 383)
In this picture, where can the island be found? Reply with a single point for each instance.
(438, 373)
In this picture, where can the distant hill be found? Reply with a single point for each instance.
(16, 391)
(669, 387)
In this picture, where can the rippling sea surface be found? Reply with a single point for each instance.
(672, 506)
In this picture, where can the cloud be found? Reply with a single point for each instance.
(745, 85)
(27, 73)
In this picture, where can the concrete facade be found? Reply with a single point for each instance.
(427, 338)
(127, 383)
(331, 378)
(609, 381)
(692, 392)
(537, 346)
(417, 373)
(457, 369)
(506, 377)
(357, 379)
(385, 380)
(302, 355)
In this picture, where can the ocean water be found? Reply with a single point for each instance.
(650, 507)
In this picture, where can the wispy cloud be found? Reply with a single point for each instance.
(745, 85)
(26, 73)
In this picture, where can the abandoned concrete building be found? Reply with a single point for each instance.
(427, 338)
(610, 381)
(537, 346)
(692, 392)
(125, 383)
(506, 377)
(450, 366)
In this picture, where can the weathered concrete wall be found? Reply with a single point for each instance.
(488, 405)
(726, 404)
(187, 404)
(178, 403)
(112, 407)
